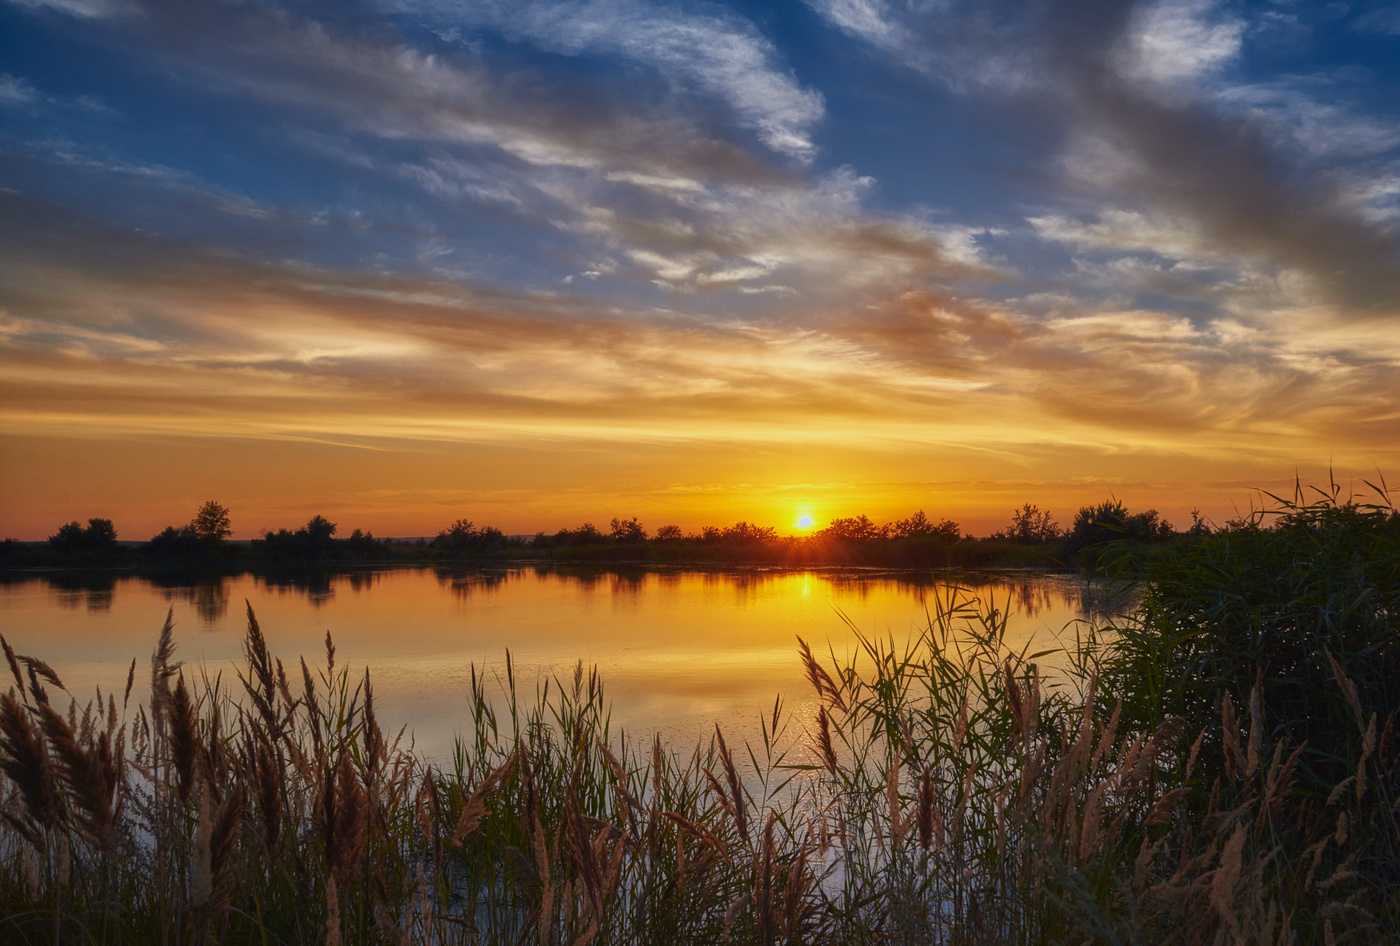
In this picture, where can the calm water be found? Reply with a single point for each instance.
(678, 650)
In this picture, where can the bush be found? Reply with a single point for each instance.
(1301, 596)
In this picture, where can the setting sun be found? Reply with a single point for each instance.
(804, 522)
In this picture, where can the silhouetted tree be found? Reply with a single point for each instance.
(459, 536)
(856, 529)
(628, 530)
(211, 523)
(586, 534)
(177, 542)
(320, 529)
(920, 526)
(100, 535)
(669, 533)
(1030, 526)
(743, 532)
(1110, 521)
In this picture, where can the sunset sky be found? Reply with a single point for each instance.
(535, 263)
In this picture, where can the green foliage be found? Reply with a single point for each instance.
(1110, 521)
(1300, 595)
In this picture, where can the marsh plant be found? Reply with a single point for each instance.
(942, 790)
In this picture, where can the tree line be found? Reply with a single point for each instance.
(1031, 537)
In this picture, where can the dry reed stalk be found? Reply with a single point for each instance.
(184, 737)
(332, 912)
(201, 877)
(739, 809)
(24, 758)
(268, 776)
(346, 817)
(926, 810)
(474, 809)
(13, 661)
(89, 774)
(223, 844)
(375, 753)
(313, 708)
(38, 668)
(892, 802)
(828, 751)
(1230, 733)
(261, 682)
(626, 803)
(763, 886)
(821, 680)
(161, 672)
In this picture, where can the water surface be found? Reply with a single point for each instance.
(678, 650)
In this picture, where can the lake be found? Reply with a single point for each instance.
(678, 649)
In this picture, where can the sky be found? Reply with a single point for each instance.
(400, 262)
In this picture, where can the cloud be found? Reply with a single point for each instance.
(1135, 90)
(84, 9)
(1175, 40)
(719, 54)
(15, 90)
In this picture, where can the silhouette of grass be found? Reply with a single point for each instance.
(939, 791)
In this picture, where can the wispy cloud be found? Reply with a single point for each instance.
(718, 54)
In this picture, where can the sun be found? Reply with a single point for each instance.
(805, 522)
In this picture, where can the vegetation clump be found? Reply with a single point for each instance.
(1219, 767)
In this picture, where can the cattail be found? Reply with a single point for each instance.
(330, 655)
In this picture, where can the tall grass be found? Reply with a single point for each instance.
(935, 791)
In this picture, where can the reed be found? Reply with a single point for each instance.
(941, 791)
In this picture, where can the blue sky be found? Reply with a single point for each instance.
(847, 255)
